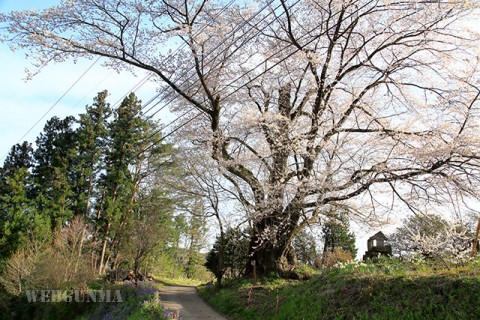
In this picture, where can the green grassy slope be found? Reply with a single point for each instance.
(391, 289)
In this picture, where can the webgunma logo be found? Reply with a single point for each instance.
(106, 295)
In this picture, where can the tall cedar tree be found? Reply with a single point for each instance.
(19, 219)
(336, 234)
(127, 165)
(54, 157)
(91, 143)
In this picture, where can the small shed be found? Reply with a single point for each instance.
(377, 246)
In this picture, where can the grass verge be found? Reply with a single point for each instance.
(390, 289)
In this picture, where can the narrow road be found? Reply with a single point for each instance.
(187, 302)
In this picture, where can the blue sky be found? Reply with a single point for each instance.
(9, 5)
(23, 103)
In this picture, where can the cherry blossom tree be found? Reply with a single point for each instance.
(432, 237)
(306, 105)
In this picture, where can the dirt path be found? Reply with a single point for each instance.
(187, 302)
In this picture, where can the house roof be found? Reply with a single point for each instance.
(378, 235)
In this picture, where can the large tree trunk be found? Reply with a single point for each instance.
(274, 255)
(278, 259)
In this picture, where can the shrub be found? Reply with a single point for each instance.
(330, 258)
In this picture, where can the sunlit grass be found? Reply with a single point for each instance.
(179, 281)
(389, 289)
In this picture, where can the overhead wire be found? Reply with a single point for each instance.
(230, 34)
(55, 104)
(135, 88)
(236, 90)
(89, 93)
(170, 56)
(207, 62)
(185, 113)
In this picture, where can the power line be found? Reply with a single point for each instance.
(137, 86)
(200, 113)
(89, 92)
(55, 104)
(171, 55)
(236, 90)
(147, 77)
(229, 35)
(195, 117)
(267, 59)
(233, 52)
(186, 72)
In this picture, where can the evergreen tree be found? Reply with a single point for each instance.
(129, 160)
(91, 140)
(20, 156)
(53, 181)
(305, 248)
(19, 219)
(336, 235)
(235, 255)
